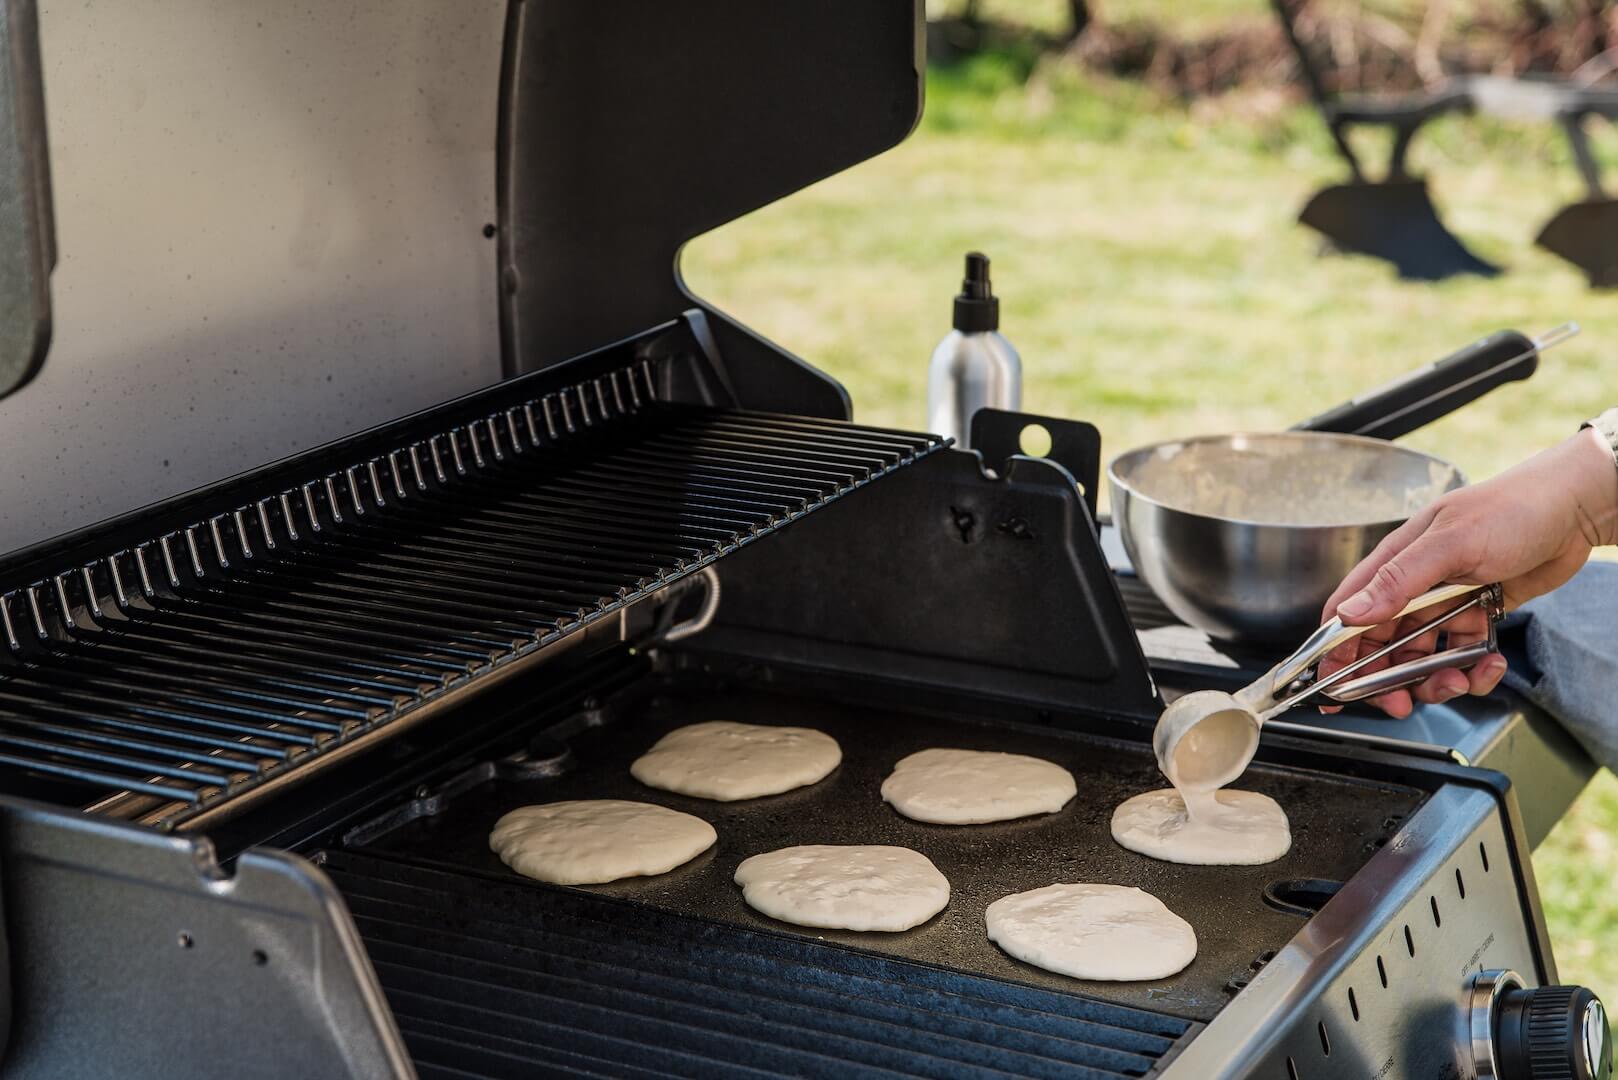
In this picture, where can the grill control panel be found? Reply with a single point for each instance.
(1378, 984)
(1397, 1011)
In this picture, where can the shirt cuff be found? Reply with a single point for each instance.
(1607, 425)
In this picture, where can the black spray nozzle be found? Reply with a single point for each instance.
(977, 309)
(976, 283)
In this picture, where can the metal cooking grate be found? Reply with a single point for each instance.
(1146, 611)
(194, 666)
(1181, 652)
(494, 979)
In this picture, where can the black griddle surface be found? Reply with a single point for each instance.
(1337, 823)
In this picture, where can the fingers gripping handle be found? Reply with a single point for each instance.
(1296, 681)
(1334, 634)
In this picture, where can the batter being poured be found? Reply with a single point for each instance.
(1205, 739)
(1198, 821)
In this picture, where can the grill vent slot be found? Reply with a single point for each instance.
(489, 979)
(193, 665)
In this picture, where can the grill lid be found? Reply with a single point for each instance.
(628, 129)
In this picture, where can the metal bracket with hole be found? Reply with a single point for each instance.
(1075, 445)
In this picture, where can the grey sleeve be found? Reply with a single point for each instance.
(1566, 657)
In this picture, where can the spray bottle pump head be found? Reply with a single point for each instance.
(977, 309)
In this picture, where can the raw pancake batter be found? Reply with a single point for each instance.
(727, 761)
(1230, 828)
(970, 787)
(1104, 932)
(592, 841)
(1198, 822)
(1292, 484)
(844, 887)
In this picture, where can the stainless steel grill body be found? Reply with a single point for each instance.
(1375, 984)
(350, 656)
(488, 974)
(231, 668)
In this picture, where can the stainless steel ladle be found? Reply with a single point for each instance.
(1205, 739)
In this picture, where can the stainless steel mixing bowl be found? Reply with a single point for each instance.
(1246, 536)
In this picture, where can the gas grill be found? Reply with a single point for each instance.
(253, 736)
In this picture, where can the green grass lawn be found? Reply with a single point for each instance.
(1156, 284)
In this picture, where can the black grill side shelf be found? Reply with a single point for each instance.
(188, 667)
(494, 979)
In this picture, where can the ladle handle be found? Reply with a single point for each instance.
(1333, 634)
(1294, 681)
(1410, 673)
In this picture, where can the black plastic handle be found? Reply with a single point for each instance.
(1436, 390)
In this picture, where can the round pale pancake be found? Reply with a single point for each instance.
(591, 841)
(971, 787)
(1237, 828)
(844, 887)
(727, 761)
(1104, 932)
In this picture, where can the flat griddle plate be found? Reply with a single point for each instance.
(1337, 823)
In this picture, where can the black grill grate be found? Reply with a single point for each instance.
(193, 666)
(1183, 653)
(495, 979)
(1146, 611)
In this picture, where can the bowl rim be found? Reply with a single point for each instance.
(1380, 445)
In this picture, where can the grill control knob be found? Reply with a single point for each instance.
(1546, 1033)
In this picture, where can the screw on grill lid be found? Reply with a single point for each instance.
(1553, 1033)
(977, 309)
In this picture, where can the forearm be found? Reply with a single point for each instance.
(1530, 528)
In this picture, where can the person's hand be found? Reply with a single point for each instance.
(1531, 528)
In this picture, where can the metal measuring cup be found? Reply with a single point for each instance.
(1205, 739)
